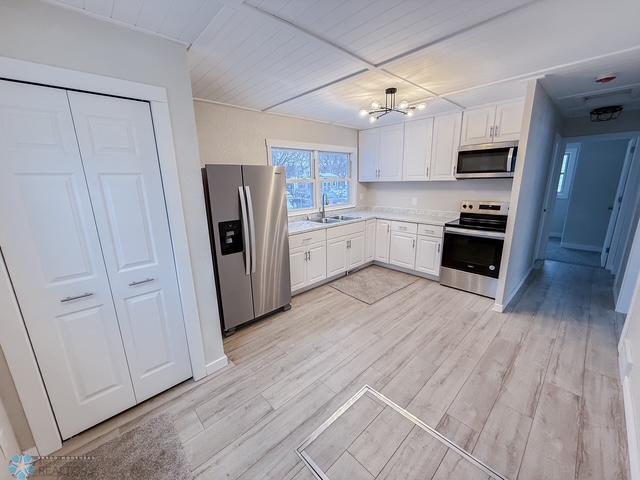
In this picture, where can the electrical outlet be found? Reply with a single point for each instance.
(414, 201)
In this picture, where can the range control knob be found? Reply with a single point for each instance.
(464, 206)
(470, 207)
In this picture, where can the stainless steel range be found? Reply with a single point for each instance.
(473, 247)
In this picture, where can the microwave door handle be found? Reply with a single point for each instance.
(245, 232)
(510, 159)
(252, 230)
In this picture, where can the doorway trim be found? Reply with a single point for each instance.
(14, 337)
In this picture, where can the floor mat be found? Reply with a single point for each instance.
(151, 450)
(370, 437)
(569, 255)
(373, 283)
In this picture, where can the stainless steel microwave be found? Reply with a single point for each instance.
(491, 160)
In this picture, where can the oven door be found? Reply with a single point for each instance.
(486, 161)
(473, 251)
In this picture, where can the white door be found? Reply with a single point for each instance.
(356, 251)
(118, 150)
(51, 247)
(428, 254)
(336, 256)
(317, 263)
(477, 125)
(417, 149)
(370, 240)
(508, 121)
(383, 228)
(391, 148)
(298, 267)
(402, 250)
(369, 154)
(446, 140)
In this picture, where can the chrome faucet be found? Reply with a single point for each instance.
(324, 202)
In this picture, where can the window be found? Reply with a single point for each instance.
(313, 173)
(566, 172)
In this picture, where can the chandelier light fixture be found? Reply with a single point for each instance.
(378, 110)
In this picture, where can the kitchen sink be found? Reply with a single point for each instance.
(325, 220)
(344, 218)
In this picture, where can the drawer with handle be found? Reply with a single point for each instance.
(430, 230)
(404, 227)
(309, 238)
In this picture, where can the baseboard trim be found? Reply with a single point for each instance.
(632, 444)
(581, 246)
(216, 365)
(501, 307)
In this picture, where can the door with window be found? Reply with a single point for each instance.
(316, 176)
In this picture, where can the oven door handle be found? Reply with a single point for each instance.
(474, 233)
(510, 159)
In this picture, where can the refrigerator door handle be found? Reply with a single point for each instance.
(245, 232)
(252, 230)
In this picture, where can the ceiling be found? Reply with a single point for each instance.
(327, 59)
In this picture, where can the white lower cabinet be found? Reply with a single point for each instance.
(402, 250)
(370, 240)
(383, 233)
(428, 254)
(355, 255)
(336, 256)
(307, 259)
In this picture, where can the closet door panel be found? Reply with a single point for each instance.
(52, 251)
(118, 150)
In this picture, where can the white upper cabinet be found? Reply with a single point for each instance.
(508, 121)
(391, 150)
(369, 154)
(418, 137)
(444, 152)
(494, 123)
(477, 125)
(381, 154)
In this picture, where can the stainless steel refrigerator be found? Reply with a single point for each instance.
(247, 209)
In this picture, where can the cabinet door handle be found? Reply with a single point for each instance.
(495, 132)
(427, 172)
(141, 282)
(77, 297)
(387, 228)
(438, 247)
(309, 252)
(413, 243)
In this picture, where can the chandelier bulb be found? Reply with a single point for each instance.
(422, 106)
(372, 119)
(364, 113)
(410, 113)
(375, 105)
(404, 104)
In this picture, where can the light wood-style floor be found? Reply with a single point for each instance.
(534, 392)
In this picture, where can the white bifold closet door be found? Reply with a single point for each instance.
(86, 240)
(51, 247)
(118, 150)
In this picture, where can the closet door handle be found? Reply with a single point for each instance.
(141, 282)
(77, 297)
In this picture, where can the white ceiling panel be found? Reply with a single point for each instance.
(181, 20)
(342, 102)
(257, 62)
(494, 93)
(381, 29)
(541, 36)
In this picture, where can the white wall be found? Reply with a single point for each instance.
(435, 195)
(629, 348)
(35, 31)
(237, 136)
(542, 122)
(593, 191)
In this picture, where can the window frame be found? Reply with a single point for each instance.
(572, 154)
(316, 179)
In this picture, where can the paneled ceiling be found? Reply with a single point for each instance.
(326, 59)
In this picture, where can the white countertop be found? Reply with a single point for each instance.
(430, 217)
